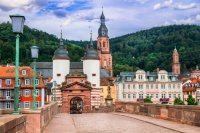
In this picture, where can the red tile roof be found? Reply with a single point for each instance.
(104, 82)
(9, 72)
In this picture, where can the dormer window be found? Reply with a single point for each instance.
(173, 79)
(150, 78)
(140, 77)
(23, 72)
(37, 81)
(162, 77)
(128, 78)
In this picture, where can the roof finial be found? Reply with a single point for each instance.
(175, 46)
(61, 31)
(61, 40)
(91, 34)
(91, 44)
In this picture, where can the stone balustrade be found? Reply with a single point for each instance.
(13, 124)
(179, 113)
(38, 119)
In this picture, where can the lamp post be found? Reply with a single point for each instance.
(123, 78)
(34, 55)
(117, 88)
(55, 83)
(17, 28)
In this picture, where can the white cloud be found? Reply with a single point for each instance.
(123, 17)
(168, 3)
(67, 22)
(65, 4)
(198, 17)
(166, 23)
(15, 3)
(184, 7)
(157, 6)
(30, 5)
(142, 1)
(184, 21)
(165, 4)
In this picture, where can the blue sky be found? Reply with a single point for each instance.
(78, 17)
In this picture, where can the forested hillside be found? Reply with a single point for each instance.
(146, 49)
(153, 48)
(47, 44)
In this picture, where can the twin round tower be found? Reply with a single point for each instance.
(93, 59)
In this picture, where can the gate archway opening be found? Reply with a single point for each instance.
(76, 105)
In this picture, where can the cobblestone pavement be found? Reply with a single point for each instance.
(114, 123)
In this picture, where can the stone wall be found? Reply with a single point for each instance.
(103, 109)
(184, 114)
(13, 124)
(38, 119)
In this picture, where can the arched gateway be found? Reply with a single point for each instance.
(76, 97)
(76, 105)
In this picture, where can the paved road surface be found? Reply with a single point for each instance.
(114, 123)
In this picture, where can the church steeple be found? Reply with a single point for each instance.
(102, 17)
(91, 53)
(61, 52)
(61, 40)
(91, 42)
(103, 31)
(175, 63)
(103, 47)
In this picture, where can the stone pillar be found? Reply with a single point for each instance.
(109, 99)
(42, 96)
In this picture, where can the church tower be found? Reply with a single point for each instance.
(103, 47)
(176, 63)
(61, 63)
(90, 65)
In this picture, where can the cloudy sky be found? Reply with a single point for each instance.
(78, 17)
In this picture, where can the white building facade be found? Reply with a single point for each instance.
(161, 86)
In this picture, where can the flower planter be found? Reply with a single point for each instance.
(140, 99)
(164, 99)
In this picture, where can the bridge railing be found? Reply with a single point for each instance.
(179, 113)
(36, 120)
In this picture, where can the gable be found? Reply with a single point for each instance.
(76, 86)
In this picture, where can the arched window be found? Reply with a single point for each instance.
(104, 44)
(104, 63)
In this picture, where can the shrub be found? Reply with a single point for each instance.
(191, 100)
(147, 100)
(178, 101)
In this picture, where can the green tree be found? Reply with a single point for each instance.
(148, 100)
(191, 100)
(178, 101)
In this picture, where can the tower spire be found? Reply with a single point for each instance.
(61, 40)
(91, 43)
(103, 31)
(102, 17)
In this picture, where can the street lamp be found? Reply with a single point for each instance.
(34, 55)
(54, 82)
(17, 28)
(117, 88)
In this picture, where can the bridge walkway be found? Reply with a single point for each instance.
(114, 123)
